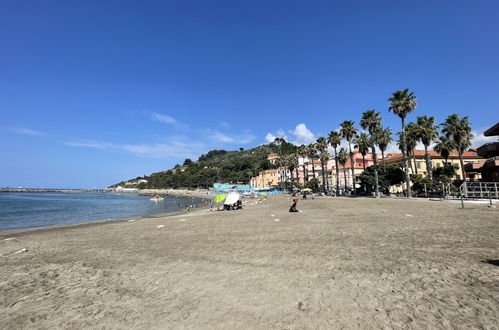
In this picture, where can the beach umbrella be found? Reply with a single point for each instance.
(307, 189)
(232, 198)
(219, 198)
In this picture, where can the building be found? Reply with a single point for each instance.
(487, 168)
(418, 162)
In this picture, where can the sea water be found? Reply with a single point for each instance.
(24, 210)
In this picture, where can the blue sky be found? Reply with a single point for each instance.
(94, 92)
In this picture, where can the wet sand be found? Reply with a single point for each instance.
(341, 263)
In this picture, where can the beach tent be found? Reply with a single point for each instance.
(232, 198)
(218, 198)
(307, 189)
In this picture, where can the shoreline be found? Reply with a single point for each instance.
(20, 231)
(17, 232)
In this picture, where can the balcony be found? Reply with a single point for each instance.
(488, 150)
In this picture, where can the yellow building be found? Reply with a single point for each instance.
(267, 178)
(419, 166)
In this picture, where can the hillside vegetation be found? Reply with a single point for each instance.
(215, 166)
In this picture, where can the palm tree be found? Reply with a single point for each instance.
(459, 130)
(312, 154)
(372, 122)
(349, 132)
(321, 146)
(402, 103)
(411, 141)
(342, 159)
(324, 159)
(302, 152)
(362, 142)
(384, 138)
(444, 146)
(334, 140)
(427, 133)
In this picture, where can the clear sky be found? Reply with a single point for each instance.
(95, 92)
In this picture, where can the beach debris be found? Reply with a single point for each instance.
(182, 220)
(160, 226)
(9, 239)
(302, 307)
(132, 220)
(272, 215)
(21, 251)
(277, 219)
(409, 215)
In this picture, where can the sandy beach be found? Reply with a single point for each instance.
(339, 264)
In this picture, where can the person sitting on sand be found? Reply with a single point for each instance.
(293, 206)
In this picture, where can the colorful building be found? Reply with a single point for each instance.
(418, 162)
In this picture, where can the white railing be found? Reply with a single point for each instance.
(480, 190)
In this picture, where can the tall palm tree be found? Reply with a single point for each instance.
(324, 156)
(302, 152)
(342, 159)
(402, 103)
(411, 141)
(312, 154)
(372, 122)
(349, 132)
(384, 138)
(321, 146)
(362, 142)
(334, 140)
(444, 146)
(427, 134)
(459, 130)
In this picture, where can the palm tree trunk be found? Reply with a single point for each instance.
(337, 173)
(428, 163)
(313, 168)
(462, 170)
(414, 160)
(345, 179)
(323, 177)
(352, 166)
(406, 162)
(364, 162)
(376, 179)
(383, 160)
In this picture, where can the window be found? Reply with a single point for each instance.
(438, 165)
(418, 164)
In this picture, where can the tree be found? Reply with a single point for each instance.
(334, 140)
(444, 146)
(427, 132)
(303, 152)
(321, 147)
(342, 159)
(411, 141)
(372, 122)
(391, 175)
(384, 138)
(312, 154)
(459, 130)
(187, 162)
(349, 132)
(402, 103)
(362, 142)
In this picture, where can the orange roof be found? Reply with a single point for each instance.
(270, 171)
(420, 153)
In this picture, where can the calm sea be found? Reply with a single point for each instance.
(24, 210)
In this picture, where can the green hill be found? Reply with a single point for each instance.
(215, 166)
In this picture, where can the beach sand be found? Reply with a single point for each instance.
(340, 263)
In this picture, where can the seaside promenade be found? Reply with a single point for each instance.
(341, 263)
